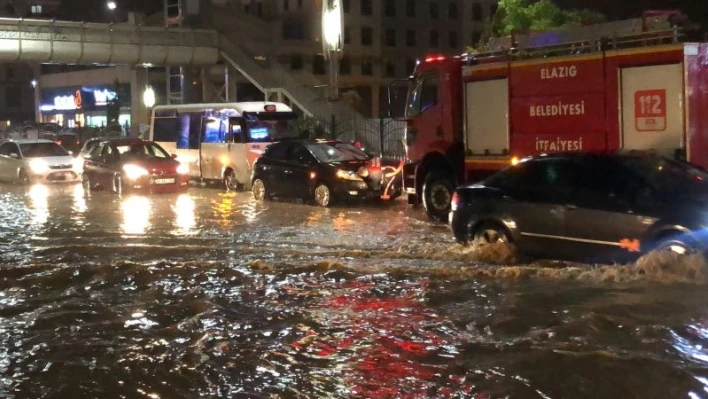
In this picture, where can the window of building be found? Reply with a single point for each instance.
(367, 66)
(367, 36)
(390, 8)
(477, 12)
(366, 7)
(410, 38)
(347, 35)
(434, 39)
(36, 9)
(13, 97)
(346, 6)
(293, 31)
(391, 37)
(286, 5)
(410, 66)
(345, 66)
(296, 62)
(434, 10)
(390, 69)
(318, 65)
(452, 10)
(476, 37)
(410, 8)
(452, 40)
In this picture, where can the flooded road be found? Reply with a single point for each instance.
(211, 294)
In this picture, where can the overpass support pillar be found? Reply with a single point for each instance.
(37, 74)
(218, 84)
(139, 113)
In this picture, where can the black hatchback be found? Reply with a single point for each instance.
(324, 171)
(588, 206)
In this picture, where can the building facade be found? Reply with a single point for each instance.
(383, 39)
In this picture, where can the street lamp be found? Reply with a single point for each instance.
(149, 97)
(332, 21)
(111, 5)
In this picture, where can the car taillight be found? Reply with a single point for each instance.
(454, 204)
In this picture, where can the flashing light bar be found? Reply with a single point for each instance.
(436, 58)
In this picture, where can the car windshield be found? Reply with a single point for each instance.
(38, 150)
(666, 175)
(141, 151)
(337, 152)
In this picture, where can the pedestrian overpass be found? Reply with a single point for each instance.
(48, 41)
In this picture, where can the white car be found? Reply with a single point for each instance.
(37, 161)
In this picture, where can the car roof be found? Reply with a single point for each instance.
(28, 141)
(127, 141)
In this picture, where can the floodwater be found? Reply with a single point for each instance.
(209, 294)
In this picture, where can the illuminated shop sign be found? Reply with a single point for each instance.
(83, 98)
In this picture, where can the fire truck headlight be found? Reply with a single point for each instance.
(182, 169)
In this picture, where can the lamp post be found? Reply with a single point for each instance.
(149, 101)
(332, 21)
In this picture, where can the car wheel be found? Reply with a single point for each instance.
(118, 187)
(260, 192)
(491, 233)
(675, 244)
(86, 182)
(24, 177)
(230, 182)
(323, 195)
(437, 196)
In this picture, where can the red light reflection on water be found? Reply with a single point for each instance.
(387, 346)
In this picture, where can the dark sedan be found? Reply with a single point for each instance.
(133, 165)
(588, 206)
(324, 171)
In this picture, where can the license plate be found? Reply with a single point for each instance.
(164, 181)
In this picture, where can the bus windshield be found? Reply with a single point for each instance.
(271, 126)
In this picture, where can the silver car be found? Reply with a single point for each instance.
(37, 161)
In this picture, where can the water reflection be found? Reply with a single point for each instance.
(136, 215)
(222, 209)
(79, 201)
(184, 213)
(38, 204)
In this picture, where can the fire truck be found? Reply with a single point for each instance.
(634, 84)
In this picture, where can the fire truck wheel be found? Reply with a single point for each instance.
(437, 194)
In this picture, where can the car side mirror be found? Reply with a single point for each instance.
(173, 156)
(14, 156)
(71, 152)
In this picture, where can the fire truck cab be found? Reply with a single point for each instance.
(622, 85)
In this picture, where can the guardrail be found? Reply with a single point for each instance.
(76, 42)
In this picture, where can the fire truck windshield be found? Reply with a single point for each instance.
(423, 94)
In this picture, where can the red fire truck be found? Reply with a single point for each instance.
(624, 85)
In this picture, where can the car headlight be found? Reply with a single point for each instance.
(182, 169)
(133, 172)
(345, 175)
(78, 163)
(38, 166)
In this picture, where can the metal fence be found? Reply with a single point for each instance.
(382, 136)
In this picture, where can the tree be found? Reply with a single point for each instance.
(523, 16)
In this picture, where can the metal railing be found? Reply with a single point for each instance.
(64, 37)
